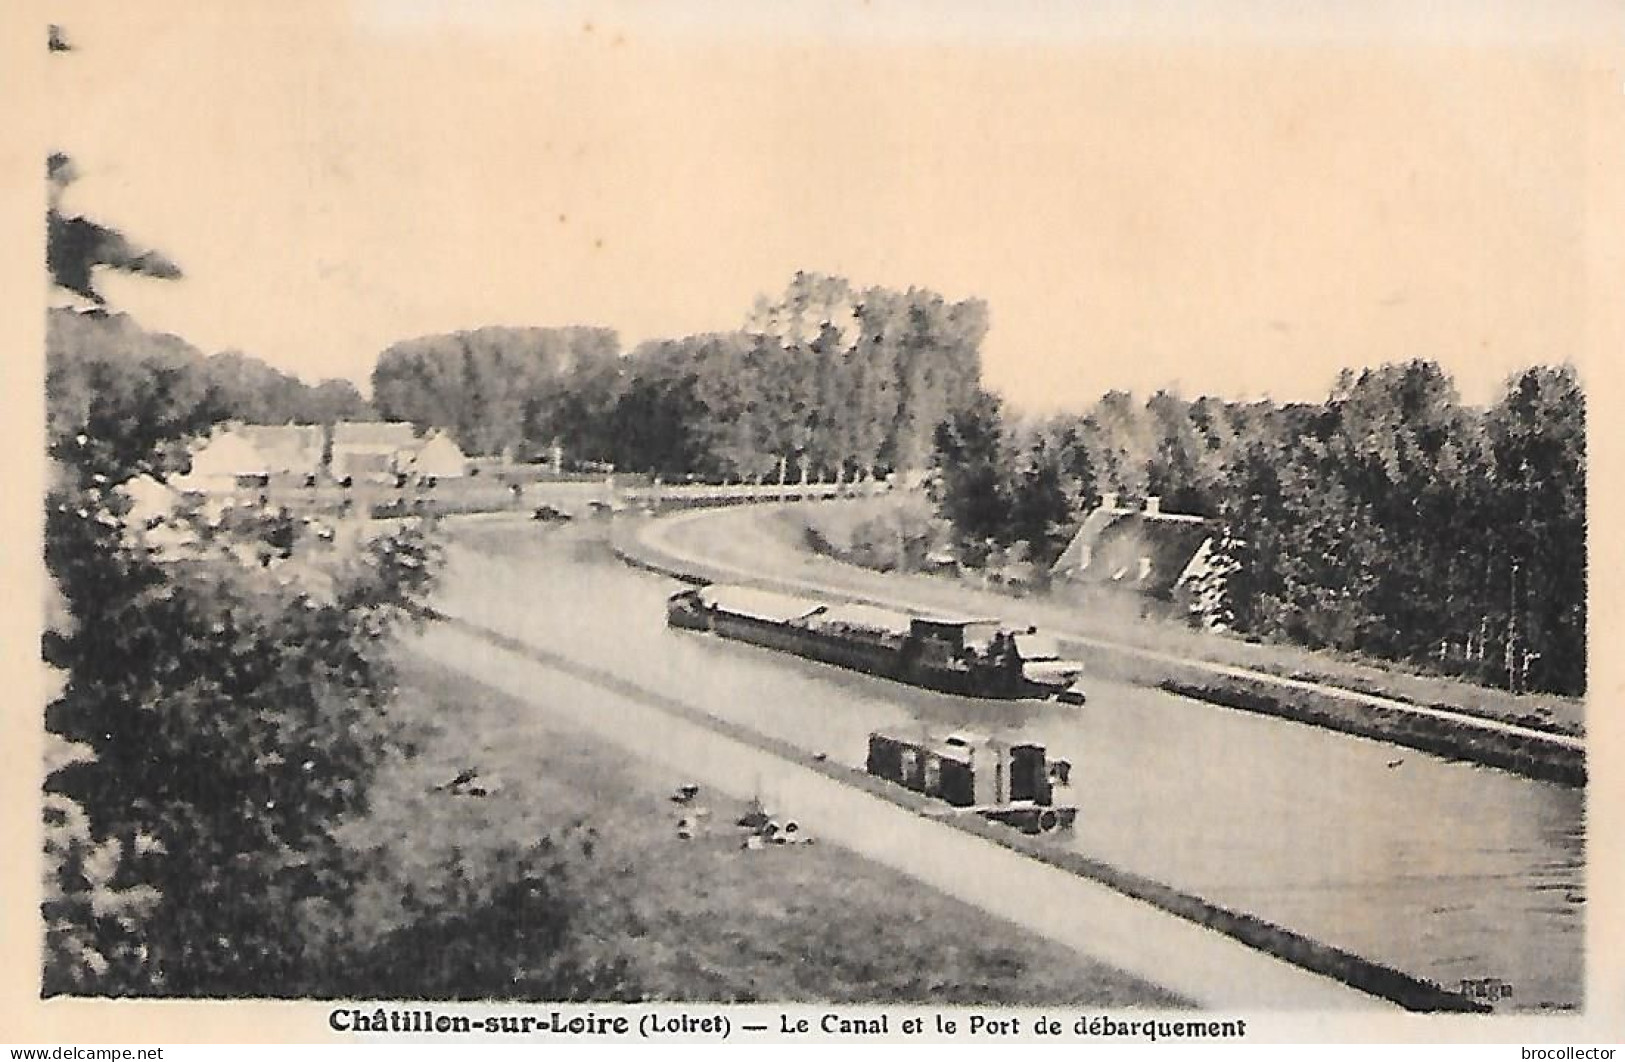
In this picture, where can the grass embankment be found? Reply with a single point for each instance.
(705, 919)
(774, 541)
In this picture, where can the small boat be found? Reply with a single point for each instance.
(1007, 782)
(970, 656)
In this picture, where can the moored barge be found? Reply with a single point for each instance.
(1008, 782)
(970, 656)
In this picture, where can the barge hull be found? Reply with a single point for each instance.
(893, 656)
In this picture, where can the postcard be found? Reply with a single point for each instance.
(855, 523)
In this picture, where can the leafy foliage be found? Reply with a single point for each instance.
(972, 477)
(225, 713)
(493, 389)
(104, 373)
(827, 380)
(76, 246)
(1390, 519)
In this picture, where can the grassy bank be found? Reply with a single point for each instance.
(704, 919)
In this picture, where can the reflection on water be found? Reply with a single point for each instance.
(1441, 869)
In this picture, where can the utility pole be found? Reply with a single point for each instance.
(1514, 671)
(1512, 631)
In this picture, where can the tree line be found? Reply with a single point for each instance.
(1391, 518)
(826, 380)
(88, 354)
(493, 389)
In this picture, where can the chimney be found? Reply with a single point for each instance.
(1108, 501)
(1153, 505)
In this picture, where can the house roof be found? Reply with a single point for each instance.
(1144, 550)
(150, 498)
(440, 439)
(227, 452)
(438, 449)
(396, 433)
(1094, 525)
(286, 447)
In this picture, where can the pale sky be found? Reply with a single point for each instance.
(1147, 195)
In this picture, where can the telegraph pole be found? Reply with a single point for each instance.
(1512, 630)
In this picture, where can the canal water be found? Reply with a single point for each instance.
(1443, 870)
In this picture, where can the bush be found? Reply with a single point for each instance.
(893, 533)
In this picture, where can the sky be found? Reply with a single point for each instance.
(1148, 195)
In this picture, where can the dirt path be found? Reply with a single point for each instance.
(1200, 964)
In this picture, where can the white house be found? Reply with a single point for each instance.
(371, 450)
(437, 455)
(221, 461)
(294, 449)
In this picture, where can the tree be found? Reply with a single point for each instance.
(331, 401)
(970, 469)
(1538, 449)
(1121, 442)
(224, 709)
(233, 723)
(872, 372)
(77, 246)
(1040, 509)
(493, 389)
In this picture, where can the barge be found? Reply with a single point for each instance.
(1007, 782)
(969, 656)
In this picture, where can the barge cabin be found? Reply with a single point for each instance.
(1009, 782)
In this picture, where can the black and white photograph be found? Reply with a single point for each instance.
(858, 522)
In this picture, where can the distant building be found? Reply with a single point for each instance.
(150, 500)
(437, 455)
(288, 449)
(487, 465)
(223, 461)
(1147, 551)
(370, 451)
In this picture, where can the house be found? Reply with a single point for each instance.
(149, 500)
(370, 451)
(156, 519)
(224, 461)
(437, 455)
(239, 455)
(288, 449)
(1147, 551)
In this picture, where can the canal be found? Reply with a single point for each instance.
(1444, 870)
